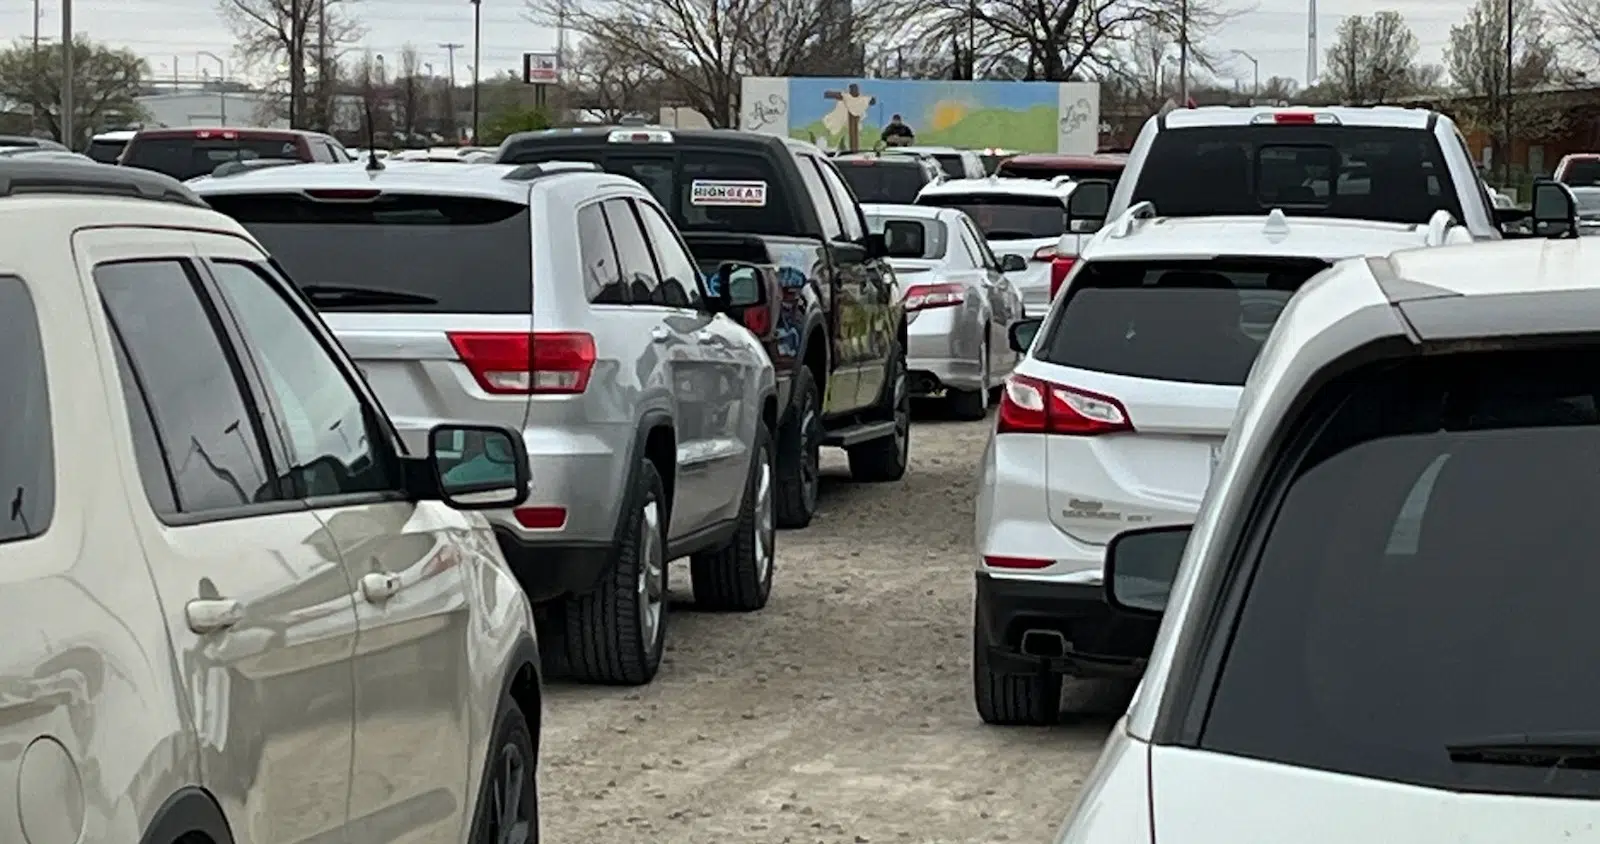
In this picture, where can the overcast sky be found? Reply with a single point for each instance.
(168, 31)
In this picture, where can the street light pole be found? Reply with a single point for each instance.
(67, 79)
(1505, 167)
(222, 84)
(477, 62)
(1183, 51)
(1255, 91)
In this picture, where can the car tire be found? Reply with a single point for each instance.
(1011, 700)
(972, 405)
(615, 633)
(799, 460)
(508, 795)
(885, 458)
(738, 576)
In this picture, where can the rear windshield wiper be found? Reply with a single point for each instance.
(340, 296)
(1574, 749)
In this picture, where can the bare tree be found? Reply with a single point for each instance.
(377, 114)
(1578, 29)
(612, 83)
(282, 39)
(1476, 58)
(1372, 59)
(409, 93)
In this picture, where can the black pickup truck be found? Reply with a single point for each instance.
(840, 341)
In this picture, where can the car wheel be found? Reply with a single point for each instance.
(800, 455)
(508, 801)
(1013, 700)
(885, 458)
(615, 633)
(738, 577)
(971, 405)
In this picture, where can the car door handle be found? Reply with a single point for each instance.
(706, 338)
(660, 334)
(379, 586)
(209, 615)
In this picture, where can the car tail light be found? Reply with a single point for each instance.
(517, 362)
(1016, 562)
(343, 194)
(225, 134)
(1044, 253)
(1034, 406)
(1297, 118)
(922, 297)
(1059, 269)
(540, 518)
(758, 319)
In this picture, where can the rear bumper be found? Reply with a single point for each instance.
(1101, 641)
(582, 470)
(944, 345)
(551, 570)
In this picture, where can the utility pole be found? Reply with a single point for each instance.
(1255, 91)
(450, 89)
(972, 39)
(67, 79)
(324, 74)
(477, 61)
(1505, 167)
(37, 69)
(297, 62)
(1183, 53)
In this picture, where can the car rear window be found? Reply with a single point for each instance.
(1040, 170)
(707, 190)
(911, 238)
(952, 164)
(185, 157)
(1357, 172)
(105, 152)
(466, 255)
(1007, 216)
(892, 182)
(1199, 322)
(1582, 172)
(1428, 582)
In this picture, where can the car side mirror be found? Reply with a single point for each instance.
(1013, 263)
(1021, 334)
(1555, 210)
(1087, 205)
(478, 467)
(1141, 566)
(876, 245)
(749, 294)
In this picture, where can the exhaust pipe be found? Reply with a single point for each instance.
(1046, 643)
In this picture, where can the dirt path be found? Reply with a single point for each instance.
(840, 713)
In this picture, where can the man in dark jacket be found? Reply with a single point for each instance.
(897, 133)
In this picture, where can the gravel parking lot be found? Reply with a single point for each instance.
(840, 713)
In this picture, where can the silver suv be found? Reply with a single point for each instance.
(236, 606)
(559, 300)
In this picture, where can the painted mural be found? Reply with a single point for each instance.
(843, 113)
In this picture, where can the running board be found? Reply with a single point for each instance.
(858, 434)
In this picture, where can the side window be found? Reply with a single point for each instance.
(602, 279)
(337, 444)
(153, 472)
(845, 201)
(633, 252)
(971, 251)
(831, 229)
(680, 278)
(985, 254)
(1482, 189)
(209, 438)
(335, 152)
(320, 152)
(27, 460)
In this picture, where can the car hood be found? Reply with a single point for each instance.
(1209, 798)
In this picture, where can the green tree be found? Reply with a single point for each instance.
(104, 91)
(510, 121)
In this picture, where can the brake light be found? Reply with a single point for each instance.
(1044, 253)
(343, 194)
(507, 362)
(540, 518)
(226, 135)
(922, 297)
(1034, 406)
(758, 319)
(1294, 118)
(1059, 269)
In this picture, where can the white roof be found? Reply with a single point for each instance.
(123, 135)
(486, 181)
(928, 150)
(998, 184)
(949, 216)
(1524, 265)
(1269, 235)
(1410, 118)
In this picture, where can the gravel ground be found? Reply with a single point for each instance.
(840, 713)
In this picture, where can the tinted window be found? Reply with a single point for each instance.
(1357, 653)
(633, 251)
(811, 175)
(153, 471)
(893, 182)
(336, 445)
(849, 211)
(105, 152)
(985, 254)
(1043, 170)
(188, 156)
(1366, 173)
(1200, 322)
(602, 280)
(1006, 216)
(680, 279)
(927, 238)
(952, 164)
(466, 255)
(208, 433)
(27, 459)
(1582, 172)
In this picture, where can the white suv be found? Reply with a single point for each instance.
(1380, 624)
(236, 606)
(1023, 216)
(1115, 417)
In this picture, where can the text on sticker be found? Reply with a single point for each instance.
(708, 192)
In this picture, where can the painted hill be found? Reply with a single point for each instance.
(1030, 130)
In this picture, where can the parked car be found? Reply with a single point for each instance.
(24, 142)
(236, 601)
(957, 163)
(992, 157)
(190, 152)
(1578, 169)
(1405, 499)
(647, 411)
(959, 303)
(1588, 205)
(887, 177)
(1036, 165)
(1026, 217)
(107, 147)
(840, 331)
(1115, 416)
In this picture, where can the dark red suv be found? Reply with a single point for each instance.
(189, 152)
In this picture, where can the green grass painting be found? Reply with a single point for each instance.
(1028, 130)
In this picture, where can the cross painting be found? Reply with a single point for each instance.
(845, 118)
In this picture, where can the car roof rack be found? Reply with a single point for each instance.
(529, 172)
(27, 175)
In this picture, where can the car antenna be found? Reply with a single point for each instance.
(373, 164)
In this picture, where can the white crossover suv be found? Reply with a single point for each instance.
(1379, 625)
(1114, 418)
(237, 608)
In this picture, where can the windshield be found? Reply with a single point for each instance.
(1008, 216)
(892, 182)
(1581, 172)
(1364, 173)
(186, 157)
(105, 152)
(1198, 322)
(464, 255)
(1428, 580)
